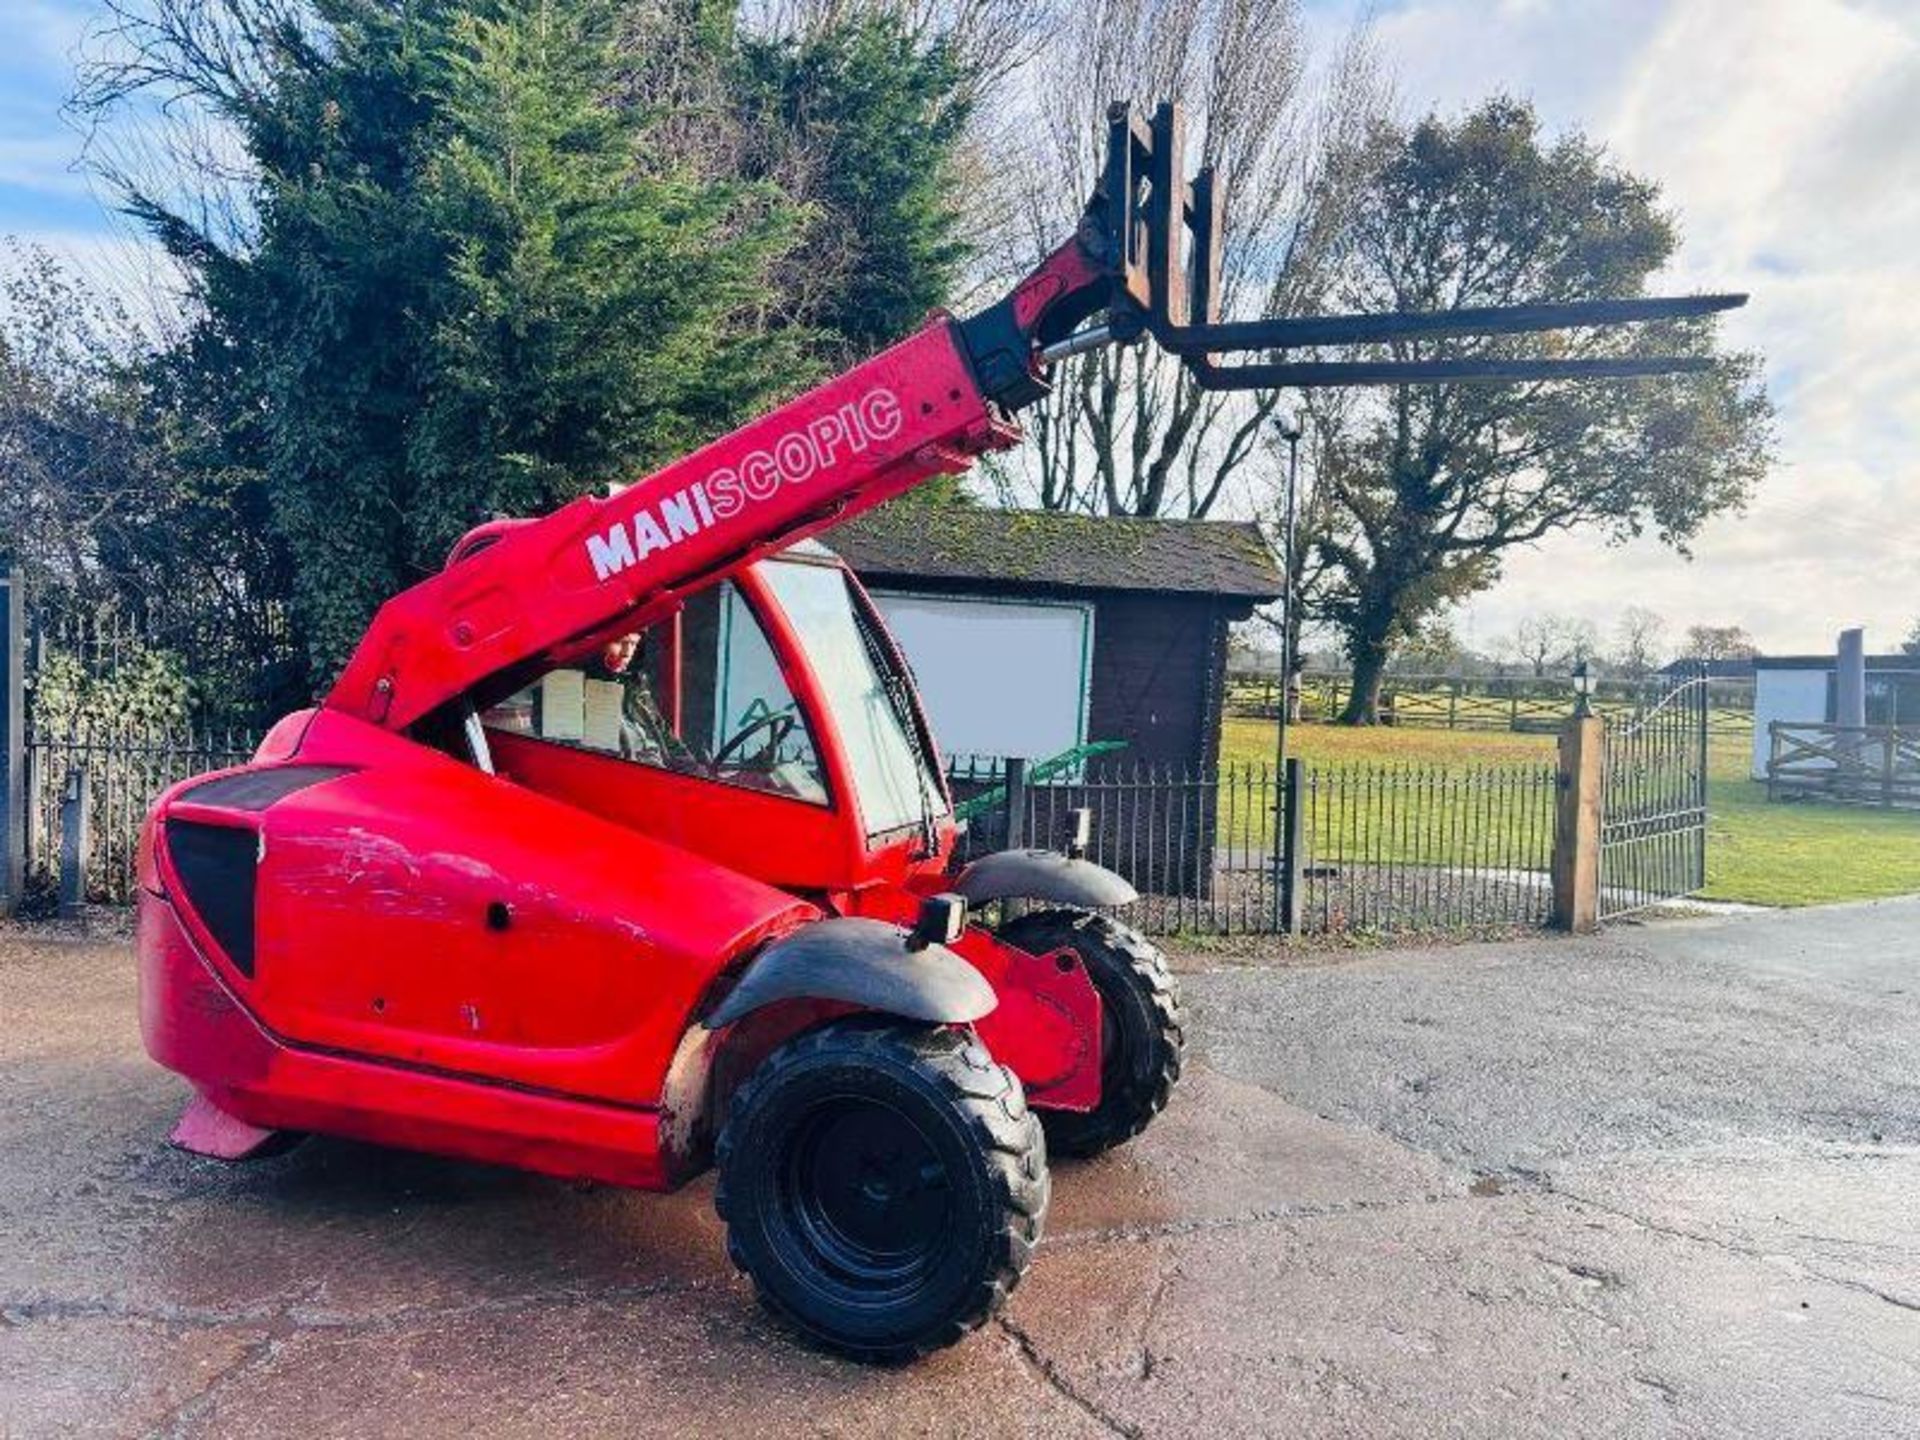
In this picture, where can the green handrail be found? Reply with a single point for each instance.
(1040, 770)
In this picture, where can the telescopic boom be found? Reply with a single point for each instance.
(517, 594)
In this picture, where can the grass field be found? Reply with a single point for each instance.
(1757, 852)
(1805, 853)
(1367, 806)
(1243, 740)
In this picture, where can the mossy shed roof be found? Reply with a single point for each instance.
(1044, 548)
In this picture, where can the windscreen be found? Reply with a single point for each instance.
(889, 767)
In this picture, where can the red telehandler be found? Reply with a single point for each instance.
(621, 847)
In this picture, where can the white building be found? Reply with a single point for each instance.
(1799, 689)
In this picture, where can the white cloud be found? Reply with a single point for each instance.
(1784, 132)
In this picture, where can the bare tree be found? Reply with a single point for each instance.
(1547, 642)
(93, 504)
(1579, 642)
(1126, 432)
(75, 471)
(1307, 570)
(182, 163)
(1720, 642)
(1639, 640)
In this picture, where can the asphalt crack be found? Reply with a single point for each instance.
(1665, 1389)
(1050, 1374)
(37, 1309)
(1897, 1301)
(202, 1404)
(1745, 1252)
(1698, 1237)
(1246, 1219)
(1144, 1369)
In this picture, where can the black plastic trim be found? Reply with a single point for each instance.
(256, 789)
(860, 962)
(216, 868)
(1042, 875)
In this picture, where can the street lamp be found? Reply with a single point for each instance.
(1285, 903)
(1289, 430)
(1582, 690)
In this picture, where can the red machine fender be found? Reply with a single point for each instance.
(859, 962)
(1042, 875)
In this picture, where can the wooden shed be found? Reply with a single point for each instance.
(1031, 631)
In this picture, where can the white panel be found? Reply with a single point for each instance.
(1796, 697)
(605, 704)
(563, 705)
(997, 678)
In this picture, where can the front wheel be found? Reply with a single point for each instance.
(1142, 1029)
(883, 1185)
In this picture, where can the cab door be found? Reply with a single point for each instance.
(700, 731)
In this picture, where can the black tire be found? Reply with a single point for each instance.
(883, 1185)
(1143, 1030)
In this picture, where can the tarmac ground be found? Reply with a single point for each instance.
(1659, 1181)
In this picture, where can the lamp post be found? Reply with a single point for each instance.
(1286, 809)
(1289, 431)
(1582, 690)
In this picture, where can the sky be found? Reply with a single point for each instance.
(1786, 133)
(43, 197)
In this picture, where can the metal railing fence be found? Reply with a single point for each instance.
(1382, 848)
(1425, 848)
(1653, 807)
(126, 767)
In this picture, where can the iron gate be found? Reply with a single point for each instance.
(1653, 815)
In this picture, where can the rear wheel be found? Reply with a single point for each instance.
(1142, 1028)
(883, 1185)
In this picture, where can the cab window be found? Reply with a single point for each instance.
(705, 697)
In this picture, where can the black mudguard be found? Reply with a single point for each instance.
(1042, 875)
(860, 962)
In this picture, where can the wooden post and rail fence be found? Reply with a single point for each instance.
(1877, 765)
(1519, 704)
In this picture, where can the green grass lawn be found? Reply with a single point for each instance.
(1243, 740)
(1801, 853)
(1422, 796)
(1804, 852)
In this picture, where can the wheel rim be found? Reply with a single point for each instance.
(868, 1197)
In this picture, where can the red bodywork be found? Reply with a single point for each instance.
(398, 927)
(513, 966)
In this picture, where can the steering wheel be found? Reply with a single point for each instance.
(780, 722)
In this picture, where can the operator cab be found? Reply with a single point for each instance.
(768, 723)
(700, 693)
